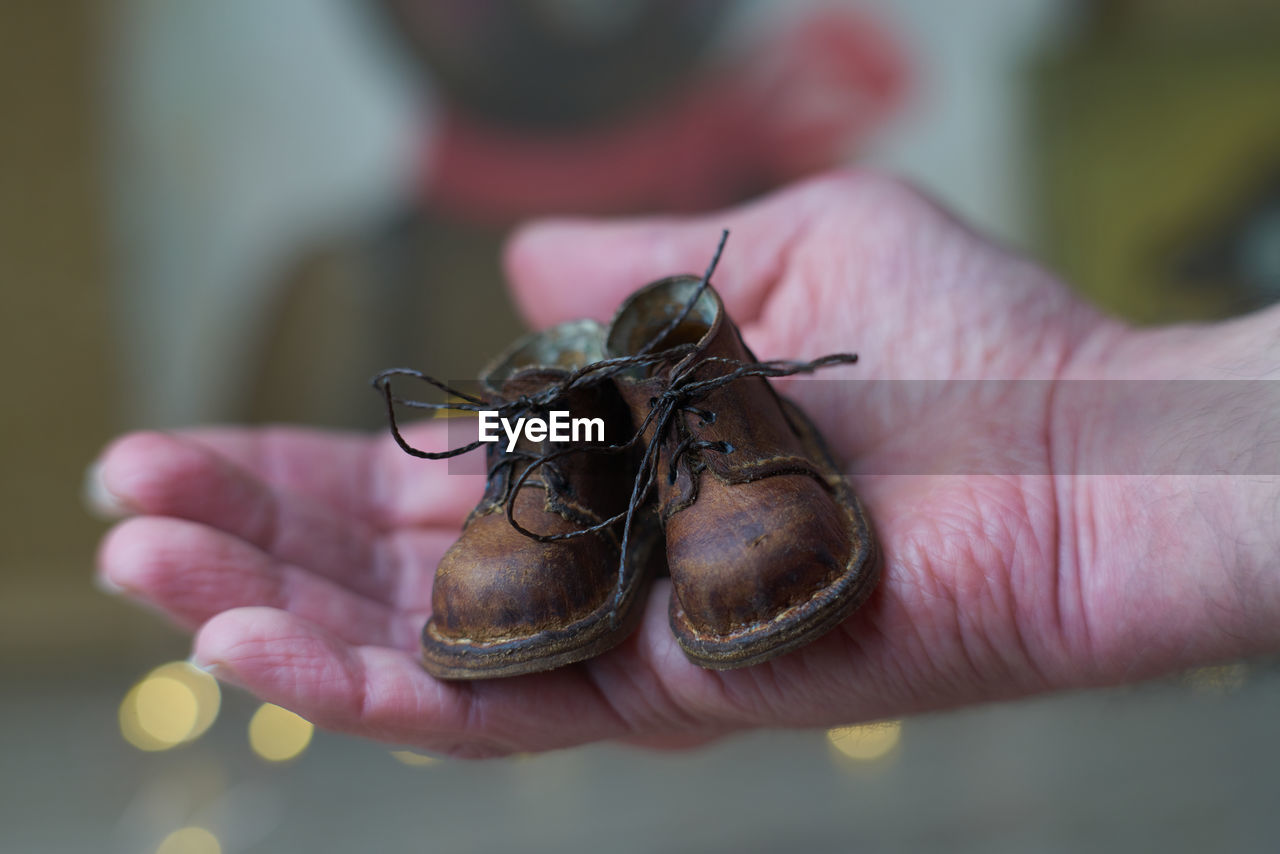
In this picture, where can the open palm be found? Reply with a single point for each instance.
(304, 559)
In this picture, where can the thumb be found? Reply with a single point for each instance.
(568, 268)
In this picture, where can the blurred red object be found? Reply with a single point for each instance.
(797, 103)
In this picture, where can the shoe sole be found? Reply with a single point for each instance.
(803, 623)
(458, 658)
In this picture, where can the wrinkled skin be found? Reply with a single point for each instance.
(303, 560)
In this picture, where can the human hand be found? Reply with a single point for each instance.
(303, 560)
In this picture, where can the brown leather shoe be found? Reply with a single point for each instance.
(766, 544)
(504, 603)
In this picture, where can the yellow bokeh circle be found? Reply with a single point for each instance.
(173, 704)
(278, 734)
(865, 742)
(190, 840)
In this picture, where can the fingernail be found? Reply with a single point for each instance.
(99, 500)
(106, 585)
(217, 669)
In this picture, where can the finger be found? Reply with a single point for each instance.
(192, 572)
(563, 269)
(664, 697)
(164, 475)
(353, 475)
(385, 694)
(331, 467)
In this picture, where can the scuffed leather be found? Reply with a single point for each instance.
(496, 583)
(756, 536)
(501, 595)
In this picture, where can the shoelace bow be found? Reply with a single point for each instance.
(683, 391)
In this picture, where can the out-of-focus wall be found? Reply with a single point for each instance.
(1157, 150)
(240, 135)
(58, 380)
(964, 133)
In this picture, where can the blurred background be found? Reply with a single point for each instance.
(239, 211)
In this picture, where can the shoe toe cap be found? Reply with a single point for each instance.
(747, 555)
(497, 584)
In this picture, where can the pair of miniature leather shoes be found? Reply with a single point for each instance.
(704, 467)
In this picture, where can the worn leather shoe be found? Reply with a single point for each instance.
(767, 546)
(504, 603)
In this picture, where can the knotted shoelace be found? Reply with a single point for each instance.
(683, 391)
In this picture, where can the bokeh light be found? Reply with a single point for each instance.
(866, 742)
(190, 840)
(277, 734)
(411, 758)
(173, 704)
(1218, 679)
